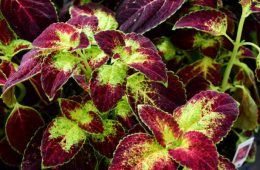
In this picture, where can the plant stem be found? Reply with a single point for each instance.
(252, 44)
(235, 51)
(228, 37)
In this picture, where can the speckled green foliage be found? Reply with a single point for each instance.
(16, 46)
(197, 116)
(65, 40)
(166, 47)
(113, 74)
(134, 83)
(110, 130)
(202, 113)
(106, 21)
(123, 108)
(68, 130)
(65, 61)
(82, 115)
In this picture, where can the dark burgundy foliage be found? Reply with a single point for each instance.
(28, 18)
(8, 155)
(141, 16)
(6, 33)
(21, 125)
(105, 96)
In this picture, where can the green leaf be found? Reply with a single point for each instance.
(248, 116)
(112, 74)
(14, 48)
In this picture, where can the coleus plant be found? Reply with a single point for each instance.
(93, 92)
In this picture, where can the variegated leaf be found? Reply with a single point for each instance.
(86, 115)
(106, 17)
(225, 164)
(61, 36)
(195, 151)
(209, 21)
(206, 67)
(106, 142)
(107, 85)
(56, 70)
(140, 151)
(162, 124)
(141, 90)
(209, 112)
(62, 140)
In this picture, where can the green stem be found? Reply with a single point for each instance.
(252, 44)
(237, 44)
(228, 37)
(83, 59)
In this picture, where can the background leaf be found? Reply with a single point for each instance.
(141, 16)
(209, 21)
(28, 18)
(21, 126)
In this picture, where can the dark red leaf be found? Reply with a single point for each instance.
(196, 85)
(28, 18)
(32, 158)
(36, 83)
(7, 34)
(85, 159)
(184, 38)
(8, 155)
(196, 152)
(30, 66)
(206, 67)
(207, 3)
(82, 22)
(6, 70)
(109, 40)
(141, 16)
(209, 21)
(21, 126)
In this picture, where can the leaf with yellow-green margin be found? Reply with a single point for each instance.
(209, 112)
(61, 141)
